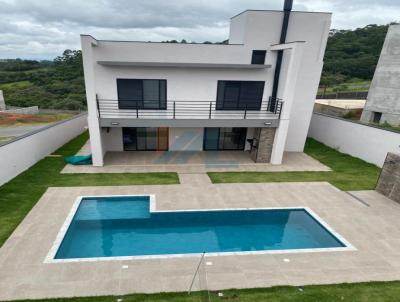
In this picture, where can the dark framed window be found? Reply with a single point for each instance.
(377, 117)
(239, 95)
(224, 138)
(258, 57)
(145, 139)
(142, 94)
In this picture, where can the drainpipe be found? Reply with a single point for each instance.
(287, 8)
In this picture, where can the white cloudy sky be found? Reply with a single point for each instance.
(42, 29)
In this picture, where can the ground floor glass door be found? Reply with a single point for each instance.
(224, 138)
(145, 139)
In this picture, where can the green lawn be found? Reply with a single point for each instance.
(355, 292)
(348, 173)
(349, 86)
(19, 195)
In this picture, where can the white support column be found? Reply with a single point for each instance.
(96, 143)
(295, 52)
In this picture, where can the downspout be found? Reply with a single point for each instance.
(287, 8)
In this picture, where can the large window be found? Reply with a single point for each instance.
(142, 94)
(145, 139)
(239, 95)
(224, 138)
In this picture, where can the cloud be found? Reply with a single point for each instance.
(43, 29)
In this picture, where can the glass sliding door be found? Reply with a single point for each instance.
(211, 138)
(224, 138)
(145, 139)
(129, 137)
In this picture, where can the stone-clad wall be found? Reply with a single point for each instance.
(265, 140)
(389, 180)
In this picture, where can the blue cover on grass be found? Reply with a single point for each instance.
(79, 159)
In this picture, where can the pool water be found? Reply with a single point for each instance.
(124, 226)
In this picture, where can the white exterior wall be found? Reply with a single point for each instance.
(253, 30)
(112, 139)
(182, 84)
(368, 143)
(19, 155)
(302, 26)
(263, 30)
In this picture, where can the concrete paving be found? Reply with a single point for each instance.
(371, 226)
(193, 162)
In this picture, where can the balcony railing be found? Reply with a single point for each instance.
(188, 110)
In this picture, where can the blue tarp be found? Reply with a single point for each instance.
(79, 159)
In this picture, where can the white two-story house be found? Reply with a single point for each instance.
(254, 94)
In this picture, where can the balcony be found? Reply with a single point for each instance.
(181, 113)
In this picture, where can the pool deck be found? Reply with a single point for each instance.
(371, 226)
(193, 162)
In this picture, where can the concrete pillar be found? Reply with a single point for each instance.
(262, 148)
(96, 142)
(2, 102)
(293, 55)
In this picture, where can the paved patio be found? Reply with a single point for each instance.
(372, 226)
(193, 162)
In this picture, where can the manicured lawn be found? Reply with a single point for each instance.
(348, 173)
(19, 195)
(355, 292)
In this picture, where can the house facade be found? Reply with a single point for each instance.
(254, 94)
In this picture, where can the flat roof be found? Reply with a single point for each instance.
(277, 11)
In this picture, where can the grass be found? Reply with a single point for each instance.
(348, 173)
(349, 86)
(354, 292)
(387, 126)
(16, 85)
(18, 196)
(14, 119)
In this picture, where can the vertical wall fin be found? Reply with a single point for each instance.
(287, 8)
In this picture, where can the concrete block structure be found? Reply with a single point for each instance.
(2, 102)
(254, 94)
(383, 101)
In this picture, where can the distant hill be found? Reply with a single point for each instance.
(54, 84)
(352, 54)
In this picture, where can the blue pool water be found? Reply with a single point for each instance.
(124, 226)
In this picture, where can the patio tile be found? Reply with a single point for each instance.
(373, 230)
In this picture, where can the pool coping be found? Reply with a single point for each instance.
(50, 258)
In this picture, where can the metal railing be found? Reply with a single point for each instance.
(185, 109)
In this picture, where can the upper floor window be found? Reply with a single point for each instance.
(240, 95)
(258, 57)
(142, 94)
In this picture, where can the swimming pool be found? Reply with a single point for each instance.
(129, 226)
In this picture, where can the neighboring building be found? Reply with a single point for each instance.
(172, 96)
(383, 101)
